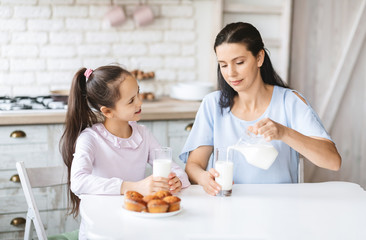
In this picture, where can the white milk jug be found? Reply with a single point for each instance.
(256, 150)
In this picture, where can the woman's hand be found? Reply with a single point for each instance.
(175, 185)
(207, 181)
(320, 151)
(270, 129)
(196, 164)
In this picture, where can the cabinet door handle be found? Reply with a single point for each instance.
(188, 128)
(15, 178)
(18, 134)
(17, 221)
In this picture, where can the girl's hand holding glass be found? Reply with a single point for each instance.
(148, 185)
(162, 168)
(175, 185)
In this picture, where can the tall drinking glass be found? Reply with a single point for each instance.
(162, 162)
(225, 167)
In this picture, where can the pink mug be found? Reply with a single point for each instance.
(116, 16)
(143, 15)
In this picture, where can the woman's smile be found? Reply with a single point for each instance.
(236, 82)
(138, 112)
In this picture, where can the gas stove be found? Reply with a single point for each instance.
(9, 104)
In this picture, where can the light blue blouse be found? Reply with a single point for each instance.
(222, 130)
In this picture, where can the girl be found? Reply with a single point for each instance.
(252, 96)
(103, 147)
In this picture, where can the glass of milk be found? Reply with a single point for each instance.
(162, 162)
(225, 167)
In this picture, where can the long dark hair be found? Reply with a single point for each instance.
(85, 100)
(246, 34)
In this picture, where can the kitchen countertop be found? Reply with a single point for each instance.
(161, 109)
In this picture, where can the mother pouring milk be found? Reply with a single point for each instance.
(252, 100)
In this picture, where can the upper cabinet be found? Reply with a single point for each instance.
(273, 21)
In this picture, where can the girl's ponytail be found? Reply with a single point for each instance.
(78, 117)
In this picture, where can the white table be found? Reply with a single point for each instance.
(330, 210)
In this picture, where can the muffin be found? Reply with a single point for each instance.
(162, 194)
(133, 194)
(174, 203)
(135, 204)
(150, 96)
(148, 198)
(157, 206)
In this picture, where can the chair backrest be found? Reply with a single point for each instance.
(300, 172)
(35, 178)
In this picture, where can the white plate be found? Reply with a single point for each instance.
(151, 215)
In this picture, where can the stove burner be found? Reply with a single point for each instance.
(30, 103)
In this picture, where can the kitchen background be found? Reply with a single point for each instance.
(43, 43)
(318, 47)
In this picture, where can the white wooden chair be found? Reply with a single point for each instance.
(37, 178)
(300, 176)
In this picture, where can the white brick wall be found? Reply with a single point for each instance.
(20, 51)
(4, 66)
(70, 11)
(180, 36)
(57, 51)
(44, 42)
(27, 64)
(4, 37)
(32, 12)
(11, 25)
(24, 79)
(165, 49)
(29, 37)
(90, 50)
(186, 24)
(177, 11)
(46, 25)
(132, 49)
(66, 38)
(5, 12)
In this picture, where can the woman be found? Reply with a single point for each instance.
(253, 97)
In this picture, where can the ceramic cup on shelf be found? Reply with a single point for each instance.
(115, 16)
(143, 15)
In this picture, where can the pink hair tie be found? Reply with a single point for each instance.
(87, 73)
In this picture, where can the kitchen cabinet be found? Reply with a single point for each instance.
(37, 146)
